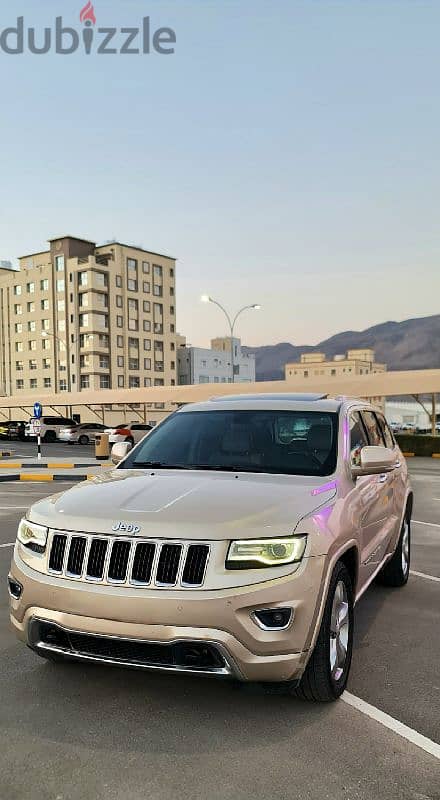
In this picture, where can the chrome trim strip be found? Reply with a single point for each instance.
(229, 670)
(264, 627)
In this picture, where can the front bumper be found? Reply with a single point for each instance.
(220, 618)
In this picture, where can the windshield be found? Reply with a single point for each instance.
(287, 442)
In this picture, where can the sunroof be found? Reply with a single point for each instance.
(284, 396)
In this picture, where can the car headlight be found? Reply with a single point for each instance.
(31, 535)
(254, 553)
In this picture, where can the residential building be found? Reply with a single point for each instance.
(314, 365)
(204, 365)
(80, 316)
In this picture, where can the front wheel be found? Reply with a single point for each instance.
(83, 439)
(396, 570)
(326, 673)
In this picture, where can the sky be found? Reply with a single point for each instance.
(286, 154)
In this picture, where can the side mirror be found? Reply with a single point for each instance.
(119, 451)
(374, 460)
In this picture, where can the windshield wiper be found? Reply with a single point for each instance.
(156, 465)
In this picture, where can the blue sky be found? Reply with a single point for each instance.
(286, 154)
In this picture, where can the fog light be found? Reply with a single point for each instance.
(15, 588)
(272, 619)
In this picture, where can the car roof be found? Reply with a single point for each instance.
(266, 402)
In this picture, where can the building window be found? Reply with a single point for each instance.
(63, 385)
(133, 363)
(104, 381)
(147, 344)
(132, 305)
(46, 344)
(32, 364)
(31, 307)
(32, 344)
(158, 348)
(30, 288)
(18, 327)
(45, 324)
(83, 320)
(147, 363)
(60, 285)
(44, 305)
(159, 382)
(101, 279)
(46, 363)
(31, 326)
(146, 287)
(133, 382)
(146, 267)
(120, 341)
(47, 383)
(33, 383)
(119, 281)
(172, 328)
(157, 271)
(119, 301)
(132, 285)
(146, 305)
(17, 291)
(104, 362)
(157, 290)
(171, 272)
(133, 343)
(83, 301)
(146, 325)
(19, 366)
(120, 322)
(133, 325)
(121, 381)
(132, 265)
(171, 291)
(147, 382)
(59, 263)
(20, 383)
(158, 366)
(172, 310)
(173, 365)
(120, 361)
(61, 305)
(172, 347)
(84, 381)
(103, 340)
(83, 278)
(44, 285)
(18, 309)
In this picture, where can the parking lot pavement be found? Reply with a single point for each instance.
(50, 450)
(78, 732)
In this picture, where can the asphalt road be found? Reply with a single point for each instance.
(75, 732)
(28, 449)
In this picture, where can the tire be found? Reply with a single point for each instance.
(50, 436)
(83, 439)
(326, 674)
(396, 570)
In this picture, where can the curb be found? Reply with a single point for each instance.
(27, 476)
(408, 455)
(51, 465)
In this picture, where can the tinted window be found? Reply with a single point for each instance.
(288, 442)
(373, 430)
(387, 435)
(358, 439)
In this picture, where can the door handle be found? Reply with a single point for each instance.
(382, 478)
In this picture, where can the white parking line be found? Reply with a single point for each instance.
(393, 724)
(424, 575)
(9, 544)
(431, 524)
(12, 508)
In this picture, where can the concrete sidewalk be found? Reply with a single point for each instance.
(51, 469)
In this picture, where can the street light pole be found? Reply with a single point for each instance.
(231, 322)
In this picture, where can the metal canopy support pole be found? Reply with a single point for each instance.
(434, 416)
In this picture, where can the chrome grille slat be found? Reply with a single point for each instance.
(127, 560)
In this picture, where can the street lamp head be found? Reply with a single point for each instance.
(44, 333)
(256, 306)
(205, 298)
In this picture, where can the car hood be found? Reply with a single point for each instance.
(187, 505)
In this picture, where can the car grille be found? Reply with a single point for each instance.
(134, 562)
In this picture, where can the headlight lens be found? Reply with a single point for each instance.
(254, 553)
(34, 536)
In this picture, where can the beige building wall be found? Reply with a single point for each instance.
(79, 317)
(315, 365)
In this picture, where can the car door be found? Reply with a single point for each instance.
(368, 510)
(380, 519)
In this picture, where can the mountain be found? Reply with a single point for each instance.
(411, 344)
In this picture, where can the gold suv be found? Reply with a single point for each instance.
(233, 540)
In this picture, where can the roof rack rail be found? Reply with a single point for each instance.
(288, 396)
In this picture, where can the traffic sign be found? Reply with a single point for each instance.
(38, 410)
(36, 427)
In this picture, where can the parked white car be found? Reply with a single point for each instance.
(50, 428)
(131, 432)
(83, 433)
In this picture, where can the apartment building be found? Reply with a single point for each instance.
(204, 365)
(355, 362)
(80, 316)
